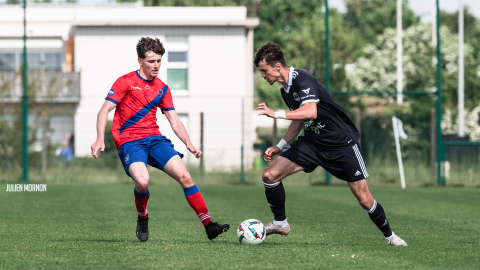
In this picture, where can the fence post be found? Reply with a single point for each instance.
(25, 99)
(440, 148)
(433, 142)
(242, 166)
(328, 177)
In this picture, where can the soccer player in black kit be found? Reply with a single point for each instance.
(330, 140)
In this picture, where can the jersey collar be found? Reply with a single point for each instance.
(138, 75)
(289, 80)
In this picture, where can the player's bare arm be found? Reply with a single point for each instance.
(306, 112)
(102, 118)
(179, 130)
(292, 132)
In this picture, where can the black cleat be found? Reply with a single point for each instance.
(214, 229)
(142, 229)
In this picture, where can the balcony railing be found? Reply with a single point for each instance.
(56, 87)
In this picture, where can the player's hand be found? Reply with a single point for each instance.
(97, 145)
(194, 150)
(266, 111)
(270, 152)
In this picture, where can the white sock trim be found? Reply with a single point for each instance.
(388, 238)
(271, 185)
(281, 224)
(373, 207)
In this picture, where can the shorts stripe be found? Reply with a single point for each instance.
(360, 160)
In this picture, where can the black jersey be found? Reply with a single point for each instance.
(332, 128)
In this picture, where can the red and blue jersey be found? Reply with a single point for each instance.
(137, 100)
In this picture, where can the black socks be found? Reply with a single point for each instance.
(377, 215)
(276, 199)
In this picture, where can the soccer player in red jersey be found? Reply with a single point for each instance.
(135, 97)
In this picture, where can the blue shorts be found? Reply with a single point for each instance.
(155, 151)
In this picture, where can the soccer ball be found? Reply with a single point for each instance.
(251, 232)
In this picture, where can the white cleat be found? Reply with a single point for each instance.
(394, 240)
(271, 228)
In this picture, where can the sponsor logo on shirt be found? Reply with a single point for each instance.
(296, 97)
(306, 91)
(111, 92)
(135, 88)
(310, 125)
(308, 96)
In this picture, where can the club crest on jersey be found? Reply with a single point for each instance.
(296, 97)
(306, 91)
(160, 92)
(111, 92)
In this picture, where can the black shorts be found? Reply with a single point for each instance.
(345, 163)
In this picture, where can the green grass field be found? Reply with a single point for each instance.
(70, 227)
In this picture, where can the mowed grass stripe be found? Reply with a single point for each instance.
(76, 227)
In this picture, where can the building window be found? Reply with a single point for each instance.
(37, 61)
(53, 62)
(177, 56)
(177, 64)
(7, 62)
(177, 78)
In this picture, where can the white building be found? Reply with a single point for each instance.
(207, 64)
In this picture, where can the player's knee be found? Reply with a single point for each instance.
(142, 183)
(141, 187)
(185, 178)
(365, 202)
(268, 177)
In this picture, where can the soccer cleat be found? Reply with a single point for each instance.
(396, 241)
(213, 229)
(142, 229)
(271, 228)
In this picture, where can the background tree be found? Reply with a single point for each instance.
(372, 17)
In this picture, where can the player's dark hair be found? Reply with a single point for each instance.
(272, 54)
(146, 44)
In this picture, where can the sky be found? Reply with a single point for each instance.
(424, 7)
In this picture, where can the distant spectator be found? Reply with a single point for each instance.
(68, 151)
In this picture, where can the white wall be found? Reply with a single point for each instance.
(217, 72)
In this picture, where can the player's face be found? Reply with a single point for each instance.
(269, 73)
(151, 64)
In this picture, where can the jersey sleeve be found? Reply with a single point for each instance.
(118, 91)
(307, 90)
(166, 104)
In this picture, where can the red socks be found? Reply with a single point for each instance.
(195, 199)
(141, 203)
